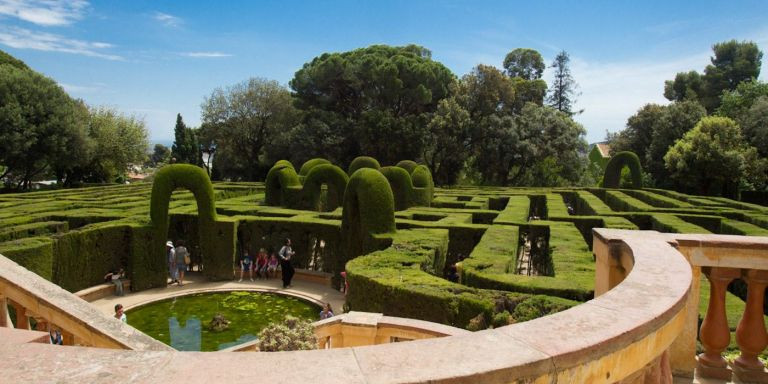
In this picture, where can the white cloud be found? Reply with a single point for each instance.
(205, 54)
(45, 12)
(25, 39)
(612, 92)
(83, 89)
(167, 20)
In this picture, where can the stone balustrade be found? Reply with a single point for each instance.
(625, 334)
(723, 259)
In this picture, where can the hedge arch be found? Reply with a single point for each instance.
(369, 211)
(423, 186)
(331, 175)
(612, 175)
(408, 165)
(196, 180)
(309, 164)
(282, 185)
(401, 184)
(362, 162)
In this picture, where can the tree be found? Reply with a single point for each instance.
(39, 125)
(524, 63)
(119, 141)
(186, 146)
(160, 155)
(638, 134)
(448, 142)
(712, 158)
(677, 119)
(366, 98)
(563, 94)
(242, 121)
(733, 63)
(685, 86)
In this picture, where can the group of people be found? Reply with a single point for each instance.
(266, 267)
(178, 259)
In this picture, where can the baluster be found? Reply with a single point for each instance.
(715, 335)
(750, 334)
(5, 318)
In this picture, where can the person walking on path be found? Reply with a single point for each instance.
(171, 254)
(182, 259)
(285, 254)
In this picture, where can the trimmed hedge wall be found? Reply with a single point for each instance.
(612, 175)
(394, 282)
(320, 174)
(32, 253)
(309, 164)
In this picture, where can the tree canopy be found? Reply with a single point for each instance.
(563, 93)
(733, 62)
(186, 146)
(360, 101)
(712, 158)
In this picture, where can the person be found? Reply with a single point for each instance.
(285, 254)
(171, 253)
(246, 264)
(56, 338)
(453, 273)
(272, 265)
(115, 277)
(182, 256)
(326, 312)
(345, 287)
(261, 264)
(119, 314)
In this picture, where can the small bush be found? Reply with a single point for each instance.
(292, 334)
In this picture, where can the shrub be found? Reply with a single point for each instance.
(290, 335)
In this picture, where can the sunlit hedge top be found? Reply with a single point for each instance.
(362, 162)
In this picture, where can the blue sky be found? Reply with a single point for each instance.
(158, 58)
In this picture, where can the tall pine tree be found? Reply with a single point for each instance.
(185, 146)
(563, 94)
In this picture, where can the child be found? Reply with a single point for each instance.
(261, 263)
(272, 266)
(326, 312)
(119, 313)
(246, 264)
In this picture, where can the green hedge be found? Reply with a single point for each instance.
(32, 253)
(369, 210)
(39, 228)
(84, 256)
(408, 165)
(362, 162)
(283, 187)
(394, 282)
(612, 175)
(195, 179)
(336, 180)
(309, 164)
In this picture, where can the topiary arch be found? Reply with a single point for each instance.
(282, 185)
(369, 210)
(196, 180)
(336, 180)
(309, 164)
(362, 162)
(612, 175)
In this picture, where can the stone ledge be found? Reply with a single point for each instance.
(101, 291)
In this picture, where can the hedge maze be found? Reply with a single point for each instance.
(520, 252)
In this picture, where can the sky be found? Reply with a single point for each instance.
(154, 59)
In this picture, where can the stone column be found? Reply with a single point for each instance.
(5, 317)
(22, 321)
(750, 334)
(715, 335)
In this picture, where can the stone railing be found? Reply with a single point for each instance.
(362, 328)
(723, 259)
(33, 297)
(623, 335)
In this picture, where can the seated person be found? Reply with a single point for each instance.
(261, 263)
(272, 265)
(115, 277)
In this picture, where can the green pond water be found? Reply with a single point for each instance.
(182, 322)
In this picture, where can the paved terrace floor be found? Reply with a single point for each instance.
(195, 282)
